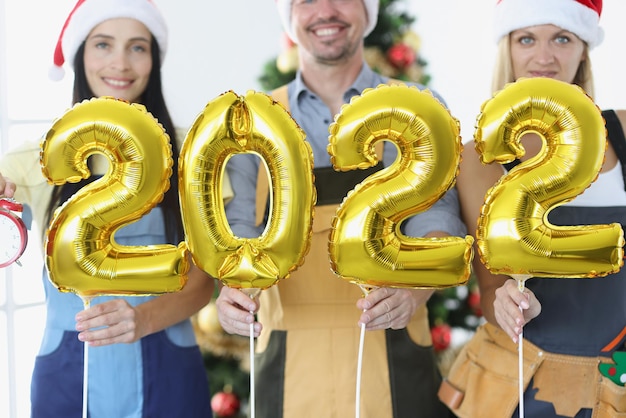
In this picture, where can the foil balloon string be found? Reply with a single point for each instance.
(514, 236)
(366, 246)
(359, 366)
(521, 284)
(252, 293)
(230, 125)
(85, 410)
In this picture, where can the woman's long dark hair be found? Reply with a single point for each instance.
(154, 102)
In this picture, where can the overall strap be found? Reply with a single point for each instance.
(281, 96)
(615, 133)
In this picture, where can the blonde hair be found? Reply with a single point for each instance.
(503, 70)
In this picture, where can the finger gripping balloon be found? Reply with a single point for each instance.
(230, 125)
(81, 253)
(366, 246)
(514, 235)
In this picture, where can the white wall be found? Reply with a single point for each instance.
(216, 47)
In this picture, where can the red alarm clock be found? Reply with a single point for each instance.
(13, 232)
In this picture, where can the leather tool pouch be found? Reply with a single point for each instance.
(483, 381)
(611, 400)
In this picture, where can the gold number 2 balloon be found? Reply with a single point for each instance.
(230, 125)
(366, 246)
(514, 236)
(81, 253)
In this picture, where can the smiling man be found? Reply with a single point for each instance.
(307, 352)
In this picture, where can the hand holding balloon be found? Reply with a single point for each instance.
(391, 307)
(236, 312)
(514, 309)
(111, 322)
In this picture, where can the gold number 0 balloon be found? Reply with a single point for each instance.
(230, 125)
(81, 254)
(514, 236)
(366, 246)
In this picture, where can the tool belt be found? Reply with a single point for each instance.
(484, 379)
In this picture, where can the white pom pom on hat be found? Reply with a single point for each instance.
(581, 17)
(284, 10)
(87, 14)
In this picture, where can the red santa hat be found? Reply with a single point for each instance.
(284, 10)
(87, 14)
(580, 17)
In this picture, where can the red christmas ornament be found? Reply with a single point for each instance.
(441, 335)
(473, 300)
(225, 404)
(401, 56)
